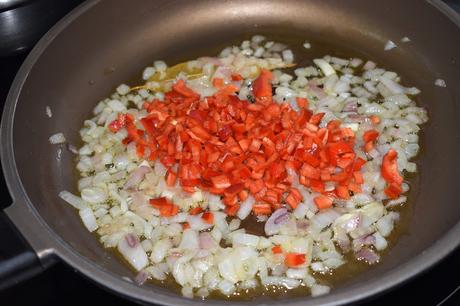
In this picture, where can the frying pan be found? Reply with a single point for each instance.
(104, 43)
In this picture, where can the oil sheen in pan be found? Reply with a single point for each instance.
(353, 267)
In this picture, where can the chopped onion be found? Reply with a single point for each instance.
(245, 208)
(299, 273)
(133, 252)
(275, 221)
(160, 249)
(206, 241)
(325, 218)
(394, 87)
(405, 39)
(48, 111)
(93, 195)
(317, 290)
(367, 255)
(289, 283)
(389, 45)
(57, 138)
(226, 287)
(136, 177)
(88, 218)
(246, 239)
(189, 240)
(288, 56)
(325, 67)
(440, 83)
(141, 278)
(72, 199)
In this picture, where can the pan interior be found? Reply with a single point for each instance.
(111, 42)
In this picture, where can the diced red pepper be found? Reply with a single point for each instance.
(322, 202)
(208, 217)
(336, 151)
(117, 124)
(277, 249)
(262, 87)
(390, 167)
(370, 135)
(293, 260)
(236, 149)
(170, 178)
(221, 181)
(158, 202)
(195, 210)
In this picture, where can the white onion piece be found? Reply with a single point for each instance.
(386, 223)
(325, 218)
(301, 210)
(187, 292)
(213, 60)
(156, 272)
(88, 218)
(226, 287)
(133, 252)
(123, 89)
(206, 241)
(316, 90)
(440, 83)
(245, 208)
(72, 199)
(245, 239)
(136, 177)
(141, 206)
(57, 138)
(223, 73)
(348, 222)
(288, 56)
(48, 111)
(141, 278)
(147, 73)
(396, 202)
(317, 290)
(325, 67)
(367, 255)
(72, 148)
(198, 224)
(275, 221)
(160, 249)
(351, 106)
(280, 281)
(318, 266)
(394, 87)
(355, 62)
(405, 39)
(362, 241)
(116, 106)
(299, 273)
(389, 45)
(369, 65)
(380, 242)
(189, 240)
(227, 269)
(93, 195)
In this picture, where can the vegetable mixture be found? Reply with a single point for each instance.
(169, 169)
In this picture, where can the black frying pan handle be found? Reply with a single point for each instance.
(18, 261)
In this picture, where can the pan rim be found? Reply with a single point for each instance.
(396, 277)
